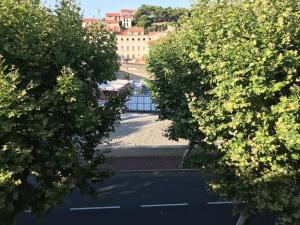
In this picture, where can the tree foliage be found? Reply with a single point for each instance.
(169, 86)
(50, 120)
(146, 15)
(233, 70)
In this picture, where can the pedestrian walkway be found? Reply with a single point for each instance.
(137, 130)
(140, 143)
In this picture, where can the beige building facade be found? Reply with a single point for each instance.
(133, 44)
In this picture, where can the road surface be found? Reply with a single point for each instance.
(144, 198)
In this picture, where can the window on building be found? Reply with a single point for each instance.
(132, 48)
(127, 48)
(121, 39)
(144, 48)
(133, 39)
(133, 56)
(139, 48)
(127, 39)
(139, 39)
(122, 47)
(149, 39)
(144, 39)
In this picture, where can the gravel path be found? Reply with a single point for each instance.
(142, 130)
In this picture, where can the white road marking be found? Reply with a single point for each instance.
(218, 203)
(221, 203)
(164, 205)
(95, 208)
(28, 211)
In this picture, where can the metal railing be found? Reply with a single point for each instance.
(142, 103)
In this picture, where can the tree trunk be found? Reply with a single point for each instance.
(185, 154)
(245, 217)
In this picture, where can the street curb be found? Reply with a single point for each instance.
(158, 170)
(146, 151)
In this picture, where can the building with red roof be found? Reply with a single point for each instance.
(133, 44)
(124, 18)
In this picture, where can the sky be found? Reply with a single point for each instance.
(90, 8)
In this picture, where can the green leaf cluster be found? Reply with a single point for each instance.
(232, 74)
(146, 15)
(50, 119)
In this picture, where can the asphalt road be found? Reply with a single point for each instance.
(144, 198)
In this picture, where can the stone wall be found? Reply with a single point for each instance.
(135, 72)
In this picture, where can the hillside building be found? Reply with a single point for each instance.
(115, 20)
(133, 44)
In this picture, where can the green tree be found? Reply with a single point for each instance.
(144, 21)
(244, 97)
(50, 120)
(168, 86)
(146, 15)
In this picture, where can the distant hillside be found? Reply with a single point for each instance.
(148, 15)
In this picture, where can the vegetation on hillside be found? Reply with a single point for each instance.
(146, 15)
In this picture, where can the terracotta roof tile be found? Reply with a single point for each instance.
(86, 20)
(136, 29)
(127, 16)
(112, 14)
